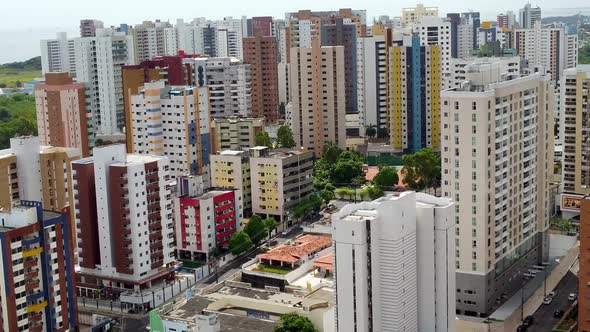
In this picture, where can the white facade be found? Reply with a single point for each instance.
(392, 265)
(26, 150)
(173, 122)
(58, 55)
(413, 15)
(529, 16)
(500, 67)
(464, 40)
(283, 82)
(371, 81)
(152, 39)
(437, 31)
(98, 63)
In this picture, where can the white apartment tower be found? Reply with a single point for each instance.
(317, 96)
(58, 55)
(372, 81)
(529, 16)
(152, 39)
(393, 264)
(98, 63)
(437, 31)
(497, 160)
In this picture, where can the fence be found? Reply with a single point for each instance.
(384, 160)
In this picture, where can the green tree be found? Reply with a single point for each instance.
(348, 167)
(262, 139)
(293, 322)
(331, 152)
(270, 224)
(422, 169)
(285, 137)
(374, 192)
(322, 173)
(255, 229)
(311, 203)
(370, 131)
(327, 193)
(239, 243)
(387, 177)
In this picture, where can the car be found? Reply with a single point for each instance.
(547, 300)
(572, 297)
(558, 313)
(521, 328)
(552, 294)
(528, 321)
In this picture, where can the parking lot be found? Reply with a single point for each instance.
(543, 317)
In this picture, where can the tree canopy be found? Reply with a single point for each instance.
(293, 322)
(387, 177)
(256, 229)
(270, 224)
(263, 139)
(285, 137)
(239, 243)
(337, 167)
(311, 203)
(18, 117)
(422, 169)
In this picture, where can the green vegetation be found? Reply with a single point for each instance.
(256, 229)
(338, 168)
(285, 137)
(387, 177)
(584, 55)
(563, 225)
(312, 203)
(262, 139)
(273, 269)
(422, 169)
(239, 243)
(370, 192)
(293, 322)
(270, 224)
(13, 75)
(191, 264)
(17, 117)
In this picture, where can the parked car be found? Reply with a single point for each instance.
(572, 297)
(552, 294)
(528, 321)
(521, 328)
(547, 300)
(558, 313)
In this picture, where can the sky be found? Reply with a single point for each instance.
(24, 23)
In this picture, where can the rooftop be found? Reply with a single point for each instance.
(325, 262)
(303, 247)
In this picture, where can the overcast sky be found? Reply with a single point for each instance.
(24, 22)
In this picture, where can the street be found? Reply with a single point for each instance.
(544, 321)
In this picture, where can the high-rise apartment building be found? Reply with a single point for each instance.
(152, 39)
(497, 160)
(507, 20)
(235, 133)
(58, 55)
(124, 218)
(88, 27)
(38, 291)
(372, 84)
(409, 236)
(584, 274)
(262, 26)
(528, 16)
(437, 31)
(280, 179)
(36, 173)
(547, 48)
(205, 222)
(574, 96)
(502, 66)
(414, 89)
(230, 169)
(317, 112)
(229, 83)
(172, 122)
(64, 117)
(98, 63)
(261, 54)
(413, 15)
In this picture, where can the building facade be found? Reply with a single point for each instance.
(58, 55)
(261, 54)
(372, 85)
(528, 16)
(435, 31)
(408, 236)
(584, 279)
(497, 161)
(231, 170)
(38, 293)
(235, 133)
(64, 117)
(173, 122)
(124, 219)
(413, 15)
(317, 112)
(88, 27)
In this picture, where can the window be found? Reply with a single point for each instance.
(474, 117)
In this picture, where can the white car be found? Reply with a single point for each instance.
(552, 294)
(547, 300)
(572, 297)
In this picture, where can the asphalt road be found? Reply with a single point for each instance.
(543, 320)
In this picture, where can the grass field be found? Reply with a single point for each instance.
(9, 77)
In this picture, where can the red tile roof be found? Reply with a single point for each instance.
(325, 262)
(304, 246)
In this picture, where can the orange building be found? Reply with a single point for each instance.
(261, 54)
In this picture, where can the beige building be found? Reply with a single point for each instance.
(412, 15)
(316, 113)
(230, 169)
(235, 133)
(497, 162)
(280, 179)
(576, 148)
(30, 171)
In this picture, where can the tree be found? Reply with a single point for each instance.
(311, 203)
(293, 322)
(285, 137)
(382, 133)
(373, 192)
(422, 169)
(331, 152)
(387, 177)
(239, 243)
(270, 224)
(255, 229)
(370, 131)
(348, 166)
(263, 139)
